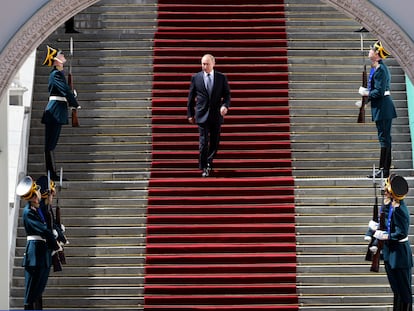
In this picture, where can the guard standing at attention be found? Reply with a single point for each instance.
(41, 242)
(382, 106)
(398, 258)
(56, 111)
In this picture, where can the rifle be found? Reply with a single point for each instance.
(58, 225)
(374, 241)
(57, 265)
(75, 119)
(375, 264)
(361, 115)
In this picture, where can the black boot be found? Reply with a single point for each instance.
(38, 304)
(406, 306)
(70, 26)
(380, 170)
(50, 166)
(28, 306)
(387, 162)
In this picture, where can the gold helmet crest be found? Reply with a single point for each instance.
(51, 55)
(379, 48)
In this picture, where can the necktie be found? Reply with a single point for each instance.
(209, 84)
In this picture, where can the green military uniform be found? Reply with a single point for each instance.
(40, 242)
(398, 258)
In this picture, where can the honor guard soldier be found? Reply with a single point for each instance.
(382, 106)
(41, 242)
(396, 251)
(56, 111)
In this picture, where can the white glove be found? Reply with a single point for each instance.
(381, 235)
(55, 233)
(358, 104)
(373, 225)
(58, 250)
(373, 249)
(363, 91)
(62, 227)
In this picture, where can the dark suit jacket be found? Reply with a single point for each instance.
(203, 107)
(382, 107)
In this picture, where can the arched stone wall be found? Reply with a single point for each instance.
(392, 36)
(33, 33)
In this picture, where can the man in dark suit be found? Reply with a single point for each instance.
(208, 103)
(382, 106)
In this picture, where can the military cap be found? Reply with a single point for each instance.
(397, 186)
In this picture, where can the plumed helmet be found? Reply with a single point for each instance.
(397, 186)
(379, 48)
(27, 188)
(51, 55)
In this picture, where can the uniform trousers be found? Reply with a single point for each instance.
(400, 282)
(384, 132)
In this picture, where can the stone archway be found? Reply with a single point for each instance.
(32, 34)
(394, 38)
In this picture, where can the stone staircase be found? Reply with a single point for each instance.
(333, 154)
(107, 159)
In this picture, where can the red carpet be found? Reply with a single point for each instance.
(226, 242)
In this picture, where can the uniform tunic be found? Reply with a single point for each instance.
(398, 258)
(382, 106)
(56, 111)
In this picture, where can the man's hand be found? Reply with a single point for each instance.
(363, 91)
(191, 120)
(381, 235)
(223, 110)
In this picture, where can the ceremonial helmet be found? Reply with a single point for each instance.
(51, 55)
(379, 48)
(397, 186)
(44, 188)
(27, 188)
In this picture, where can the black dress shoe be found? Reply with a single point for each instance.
(206, 172)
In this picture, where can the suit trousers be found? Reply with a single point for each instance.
(209, 139)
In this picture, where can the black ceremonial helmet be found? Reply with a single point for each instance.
(397, 186)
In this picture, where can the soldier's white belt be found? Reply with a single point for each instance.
(60, 98)
(403, 240)
(35, 238)
(387, 93)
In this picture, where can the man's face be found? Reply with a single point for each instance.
(207, 64)
(60, 58)
(372, 55)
